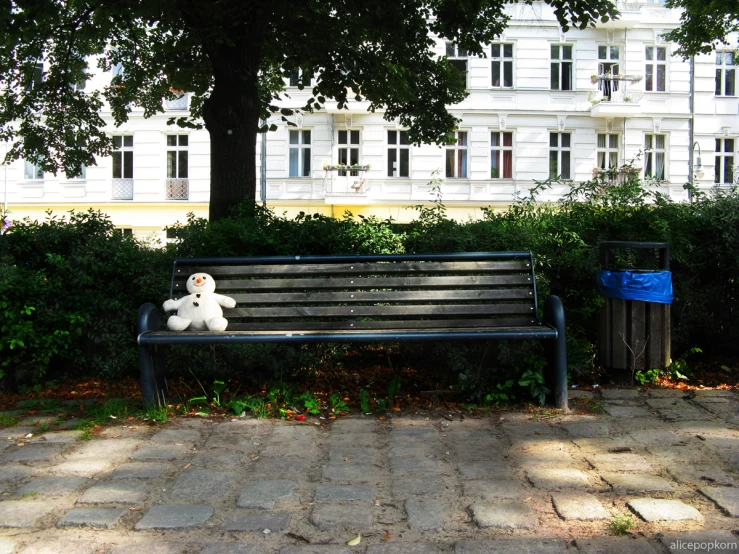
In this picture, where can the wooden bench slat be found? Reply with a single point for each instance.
(355, 268)
(384, 296)
(371, 325)
(224, 285)
(379, 311)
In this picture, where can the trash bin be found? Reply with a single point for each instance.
(635, 320)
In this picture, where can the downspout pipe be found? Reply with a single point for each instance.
(691, 129)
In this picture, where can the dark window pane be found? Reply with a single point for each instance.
(392, 159)
(554, 52)
(449, 50)
(128, 165)
(718, 145)
(295, 78)
(494, 139)
(183, 140)
(508, 50)
(730, 81)
(507, 139)
(729, 169)
(343, 156)
(127, 140)
(717, 170)
(613, 141)
(567, 76)
(495, 50)
(182, 156)
(507, 164)
(614, 52)
(602, 52)
(404, 162)
(403, 137)
(718, 82)
(293, 162)
(306, 137)
(460, 65)
(462, 138)
(728, 145)
(566, 52)
(306, 159)
(116, 142)
(496, 73)
(355, 137)
(450, 162)
(342, 137)
(649, 53)
(507, 74)
(392, 137)
(648, 86)
(354, 156)
(553, 139)
(171, 140)
(555, 76)
(565, 165)
(661, 54)
(565, 140)
(661, 78)
(117, 166)
(294, 137)
(171, 164)
(553, 171)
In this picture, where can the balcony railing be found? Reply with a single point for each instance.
(178, 189)
(179, 103)
(122, 189)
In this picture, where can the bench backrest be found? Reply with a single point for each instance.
(465, 290)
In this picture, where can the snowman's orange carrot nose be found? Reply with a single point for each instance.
(199, 280)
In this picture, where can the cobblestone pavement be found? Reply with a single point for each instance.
(510, 483)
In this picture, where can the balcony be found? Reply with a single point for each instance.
(615, 96)
(178, 104)
(122, 189)
(177, 189)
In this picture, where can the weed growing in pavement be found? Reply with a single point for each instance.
(621, 525)
(86, 434)
(364, 401)
(29, 494)
(8, 420)
(337, 405)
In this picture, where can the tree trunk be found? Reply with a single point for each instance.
(231, 115)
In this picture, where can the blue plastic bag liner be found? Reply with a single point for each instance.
(649, 286)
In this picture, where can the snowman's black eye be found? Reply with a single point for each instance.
(193, 278)
(204, 277)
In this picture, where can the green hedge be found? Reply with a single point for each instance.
(71, 286)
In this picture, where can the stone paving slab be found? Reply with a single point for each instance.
(614, 545)
(175, 516)
(587, 429)
(159, 452)
(620, 394)
(344, 493)
(409, 466)
(7, 546)
(424, 514)
(263, 495)
(619, 462)
(232, 548)
(626, 412)
(63, 547)
(725, 498)
(579, 506)
(349, 473)
(408, 548)
(200, 485)
(278, 521)
(655, 509)
(12, 473)
(624, 483)
(484, 470)
(32, 454)
(51, 486)
(701, 542)
(141, 470)
(512, 546)
(503, 514)
(338, 517)
(98, 518)
(686, 414)
(59, 437)
(119, 492)
(23, 513)
(703, 475)
(553, 478)
(414, 485)
(488, 490)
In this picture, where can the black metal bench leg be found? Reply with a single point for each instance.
(153, 383)
(554, 315)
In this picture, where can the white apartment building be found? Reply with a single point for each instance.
(541, 103)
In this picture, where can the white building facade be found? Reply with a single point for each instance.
(542, 103)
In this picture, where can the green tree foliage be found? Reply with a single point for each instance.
(704, 25)
(232, 56)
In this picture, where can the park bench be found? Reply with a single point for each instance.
(364, 299)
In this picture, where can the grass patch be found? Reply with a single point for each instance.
(8, 420)
(621, 525)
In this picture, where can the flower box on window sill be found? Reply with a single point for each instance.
(344, 167)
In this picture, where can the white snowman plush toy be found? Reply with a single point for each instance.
(201, 309)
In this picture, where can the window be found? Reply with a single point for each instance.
(37, 78)
(561, 64)
(124, 231)
(559, 155)
(348, 151)
(654, 157)
(32, 171)
(398, 154)
(502, 65)
(724, 168)
(122, 154)
(655, 74)
(725, 74)
(608, 65)
(607, 151)
(501, 155)
(82, 174)
(457, 57)
(456, 157)
(117, 69)
(299, 79)
(177, 156)
(299, 153)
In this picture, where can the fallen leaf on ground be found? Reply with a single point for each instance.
(355, 541)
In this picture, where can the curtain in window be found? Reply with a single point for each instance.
(462, 164)
(495, 164)
(660, 157)
(507, 164)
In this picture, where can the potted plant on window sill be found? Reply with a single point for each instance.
(346, 167)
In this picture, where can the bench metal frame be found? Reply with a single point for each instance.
(262, 329)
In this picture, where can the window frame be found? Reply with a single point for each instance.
(458, 160)
(458, 55)
(300, 147)
(349, 148)
(651, 154)
(38, 172)
(178, 149)
(501, 148)
(501, 61)
(398, 147)
(651, 83)
(608, 149)
(559, 61)
(560, 149)
(122, 150)
(722, 73)
(720, 155)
